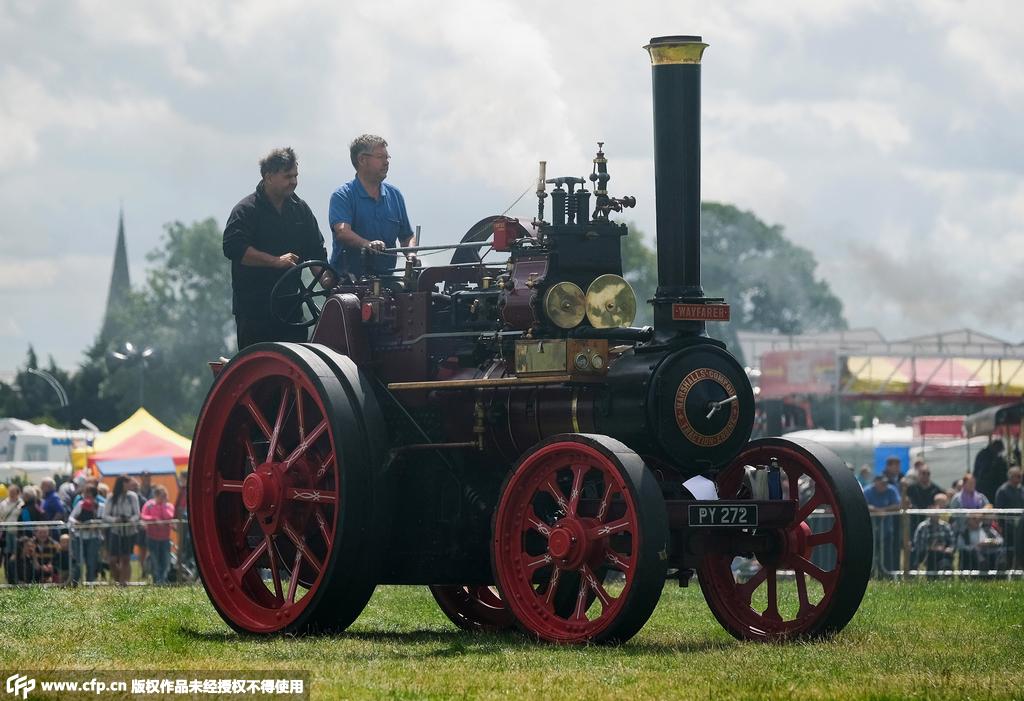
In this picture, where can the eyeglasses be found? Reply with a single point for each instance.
(386, 157)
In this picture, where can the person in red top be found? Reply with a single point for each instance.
(158, 535)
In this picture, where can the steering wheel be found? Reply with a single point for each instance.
(290, 293)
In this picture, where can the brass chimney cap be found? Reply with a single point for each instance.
(675, 50)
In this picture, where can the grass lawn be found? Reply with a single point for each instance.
(935, 640)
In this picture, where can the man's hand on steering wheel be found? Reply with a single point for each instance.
(288, 260)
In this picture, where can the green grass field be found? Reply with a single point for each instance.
(934, 640)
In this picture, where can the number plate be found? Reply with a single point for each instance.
(738, 515)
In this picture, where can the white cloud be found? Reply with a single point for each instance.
(893, 162)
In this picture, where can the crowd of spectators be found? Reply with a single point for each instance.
(90, 527)
(944, 541)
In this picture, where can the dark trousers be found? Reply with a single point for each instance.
(252, 331)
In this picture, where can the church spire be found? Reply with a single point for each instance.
(120, 284)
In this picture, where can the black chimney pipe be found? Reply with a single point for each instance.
(675, 67)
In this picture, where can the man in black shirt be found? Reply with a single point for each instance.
(990, 468)
(267, 233)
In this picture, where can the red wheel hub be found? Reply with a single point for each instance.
(571, 546)
(261, 490)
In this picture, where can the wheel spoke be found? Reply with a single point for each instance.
(275, 437)
(549, 595)
(274, 567)
(596, 587)
(228, 486)
(801, 590)
(802, 564)
(253, 558)
(321, 521)
(325, 466)
(807, 509)
(301, 546)
(747, 588)
(829, 536)
(772, 611)
(538, 526)
(293, 578)
(316, 496)
(294, 308)
(257, 416)
(606, 502)
(556, 493)
(313, 311)
(305, 444)
(242, 534)
(793, 475)
(300, 413)
(534, 565)
(577, 487)
(620, 561)
(611, 528)
(580, 612)
(250, 453)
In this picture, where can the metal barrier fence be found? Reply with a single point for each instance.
(932, 543)
(55, 553)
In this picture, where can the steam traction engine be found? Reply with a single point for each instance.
(501, 433)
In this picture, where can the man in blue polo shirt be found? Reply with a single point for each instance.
(368, 214)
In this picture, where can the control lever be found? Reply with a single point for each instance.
(716, 406)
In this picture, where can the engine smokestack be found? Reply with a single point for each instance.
(675, 67)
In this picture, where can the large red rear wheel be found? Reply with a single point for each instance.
(280, 494)
(474, 608)
(811, 580)
(579, 540)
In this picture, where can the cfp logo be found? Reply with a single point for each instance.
(20, 684)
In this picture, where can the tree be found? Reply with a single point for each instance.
(184, 313)
(31, 397)
(640, 268)
(768, 281)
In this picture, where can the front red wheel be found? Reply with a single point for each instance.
(279, 494)
(579, 540)
(810, 581)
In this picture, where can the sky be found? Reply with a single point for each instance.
(883, 136)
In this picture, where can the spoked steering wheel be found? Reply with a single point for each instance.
(291, 294)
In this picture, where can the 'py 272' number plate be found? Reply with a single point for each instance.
(723, 515)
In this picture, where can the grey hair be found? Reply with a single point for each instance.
(277, 161)
(364, 144)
